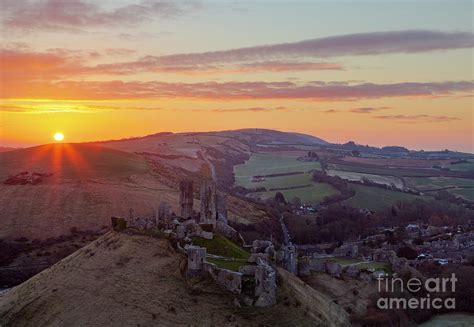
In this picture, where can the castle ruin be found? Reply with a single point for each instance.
(186, 198)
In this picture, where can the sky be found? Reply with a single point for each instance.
(374, 72)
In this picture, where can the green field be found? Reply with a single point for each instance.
(267, 164)
(379, 179)
(384, 171)
(429, 183)
(462, 166)
(375, 198)
(466, 193)
(277, 182)
(309, 195)
(360, 264)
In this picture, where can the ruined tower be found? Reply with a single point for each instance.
(186, 198)
(221, 207)
(289, 261)
(208, 203)
(163, 214)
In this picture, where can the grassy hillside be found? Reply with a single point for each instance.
(136, 281)
(89, 185)
(220, 245)
(72, 161)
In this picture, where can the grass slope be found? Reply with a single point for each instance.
(131, 280)
(220, 245)
(89, 185)
(72, 161)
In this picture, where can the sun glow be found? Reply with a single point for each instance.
(58, 137)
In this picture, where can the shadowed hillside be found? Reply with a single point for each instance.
(143, 285)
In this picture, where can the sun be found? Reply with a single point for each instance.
(58, 136)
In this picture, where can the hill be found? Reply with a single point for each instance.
(6, 148)
(81, 186)
(130, 280)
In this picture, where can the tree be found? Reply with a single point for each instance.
(407, 252)
(355, 153)
(280, 198)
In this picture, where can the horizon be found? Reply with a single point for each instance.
(65, 141)
(123, 68)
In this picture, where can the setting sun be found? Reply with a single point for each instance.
(58, 137)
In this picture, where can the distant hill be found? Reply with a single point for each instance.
(133, 280)
(6, 148)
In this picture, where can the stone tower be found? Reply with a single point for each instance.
(222, 207)
(289, 258)
(186, 198)
(164, 214)
(208, 203)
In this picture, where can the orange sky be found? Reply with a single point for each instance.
(106, 72)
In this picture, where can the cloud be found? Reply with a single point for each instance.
(367, 110)
(60, 62)
(227, 90)
(281, 57)
(375, 43)
(364, 110)
(418, 118)
(252, 109)
(73, 15)
(151, 64)
(52, 107)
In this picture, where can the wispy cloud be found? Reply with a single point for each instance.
(52, 107)
(294, 56)
(248, 110)
(73, 15)
(363, 110)
(228, 90)
(375, 43)
(418, 118)
(367, 110)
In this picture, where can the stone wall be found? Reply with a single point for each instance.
(227, 231)
(196, 258)
(265, 289)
